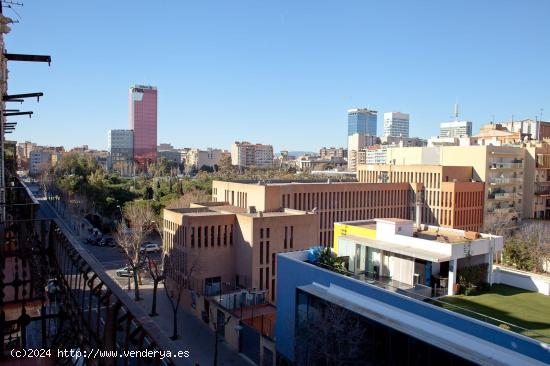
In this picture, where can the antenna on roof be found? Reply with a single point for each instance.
(456, 110)
(9, 4)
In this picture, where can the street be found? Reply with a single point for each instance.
(194, 335)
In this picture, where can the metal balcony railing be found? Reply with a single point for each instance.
(505, 180)
(498, 165)
(54, 295)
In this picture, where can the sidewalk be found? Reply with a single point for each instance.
(194, 335)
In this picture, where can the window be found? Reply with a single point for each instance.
(267, 252)
(225, 235)
(261, 252)
(212, 236)
(267, 233)
(273, 263)
(261, 278)
(206, 236)
(193, 237)
(231, 236)
(267, 278)
(291, 236)
(261, 233)
(219, 235)
(199, 236)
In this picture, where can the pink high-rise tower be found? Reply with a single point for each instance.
(143, 120)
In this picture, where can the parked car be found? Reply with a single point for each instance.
(107, 242)
(150, 247)
(125, 272)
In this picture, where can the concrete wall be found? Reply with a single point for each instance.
(521, 279)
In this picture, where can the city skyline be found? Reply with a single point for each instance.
(275, 72)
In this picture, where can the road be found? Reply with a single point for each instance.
(194, 335)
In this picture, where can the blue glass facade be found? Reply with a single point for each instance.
(362, 121)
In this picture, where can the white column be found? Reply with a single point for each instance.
(490, 256)
(452, 277)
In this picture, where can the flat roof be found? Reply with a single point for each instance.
(466, 345)
(407, 250)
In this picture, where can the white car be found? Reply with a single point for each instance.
(150, 247)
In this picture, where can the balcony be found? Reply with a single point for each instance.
(506, 165)
(501, 181)
(57, 296)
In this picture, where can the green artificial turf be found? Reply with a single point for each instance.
(526, 309)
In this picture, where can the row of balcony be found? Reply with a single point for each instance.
(511, 165)
(513, 180)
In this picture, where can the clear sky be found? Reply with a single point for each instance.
(280, 72)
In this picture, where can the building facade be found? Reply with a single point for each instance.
(232, 248)
(501, 168)
(196, 158)
(333, 152)
(450, 198)
(532, 129)
(143, 121)
(327, 315)
(536, 187)
(455, 129)
(396, 124)
(121, 148)
(357, 142)
(332, 202)
(362, 121)
(39, 161)
(245, 154)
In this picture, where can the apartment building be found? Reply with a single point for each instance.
(450, 198)
(39, 161)
(536, 196)
(245, 154)
(501, 168)
(332, 202)
(197, 158)
(357, 143)
(333, 152)
(231, 247)
(121, 148)
(532, 129)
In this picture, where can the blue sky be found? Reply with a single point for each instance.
(280, 72)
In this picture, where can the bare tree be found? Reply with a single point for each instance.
(529, 248)
(175, 282)
(188, 198)
(500, 222)
(331, 335)
(140, 217)
(157, 274)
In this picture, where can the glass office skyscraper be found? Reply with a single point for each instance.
(363, 121)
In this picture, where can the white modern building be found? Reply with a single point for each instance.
(245, 154)
(420, 259)
(396, 124)
(456, 129)
(121, 149)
